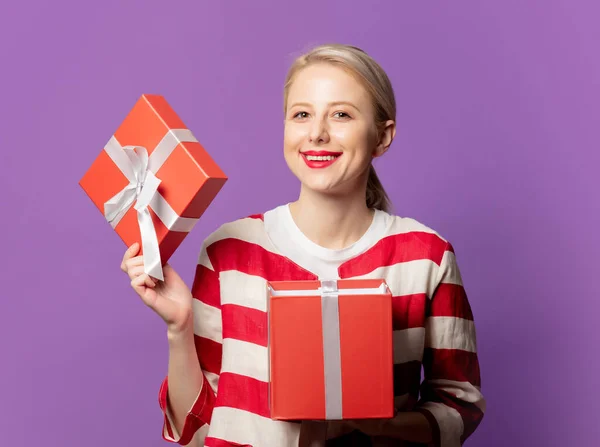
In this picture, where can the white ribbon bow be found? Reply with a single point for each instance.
(141, 190)
(140, 169)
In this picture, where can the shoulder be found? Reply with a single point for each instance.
(233, 237)
(244, 228)
(415, 235)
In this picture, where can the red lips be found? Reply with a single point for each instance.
(321, 153)
(320, 164)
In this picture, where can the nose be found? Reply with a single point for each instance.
(319, 133)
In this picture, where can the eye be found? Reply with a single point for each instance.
(301, 115)
(341, 115)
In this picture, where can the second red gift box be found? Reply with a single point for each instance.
(330, 350)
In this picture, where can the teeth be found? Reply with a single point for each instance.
(320, 157)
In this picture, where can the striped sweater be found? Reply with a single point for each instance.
(433, 333)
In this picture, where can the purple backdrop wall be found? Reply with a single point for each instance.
(497, 150)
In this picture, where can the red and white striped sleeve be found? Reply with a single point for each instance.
(208, 340)
(451, 396)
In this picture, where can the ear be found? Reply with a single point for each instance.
(386, 136)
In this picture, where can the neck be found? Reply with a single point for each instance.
(331, 221)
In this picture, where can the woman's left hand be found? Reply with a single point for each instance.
(370, 427)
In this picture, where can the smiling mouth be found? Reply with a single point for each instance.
(320, 155)
(320, 159)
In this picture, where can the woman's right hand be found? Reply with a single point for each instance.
(171, 299)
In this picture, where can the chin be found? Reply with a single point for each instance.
(324, 186)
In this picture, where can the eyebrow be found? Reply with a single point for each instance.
(331, 104)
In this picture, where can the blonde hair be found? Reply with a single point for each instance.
(370, 74)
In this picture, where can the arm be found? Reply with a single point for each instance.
(187, 394)
(451, 405)
(451, 398)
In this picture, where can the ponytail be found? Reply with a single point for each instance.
(377, 198)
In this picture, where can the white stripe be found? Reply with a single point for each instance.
(407, 278)
(450, 273)
(464, 391)
(248, 230)
(243, 290)
(403, 225)
(243, 427)
(450, 423)
(408, 344)
(207, 321)
(450, 333)
(213, 380)
(246, 359)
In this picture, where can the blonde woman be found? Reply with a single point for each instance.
(340, 114)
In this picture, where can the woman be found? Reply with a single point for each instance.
(339, 115)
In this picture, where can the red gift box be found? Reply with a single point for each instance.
(330, 350)
(153, 181)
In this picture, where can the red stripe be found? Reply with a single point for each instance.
(450, 300)
(243, 393)
(245, 324)
(433, 423)
(395, 249)
(204, 405)
(407, 378)
(162, 402)
(256, 216)
(409, 311)
(194, 419)
(252, 259)
(206, 286)
(210, 354)
(452, 364)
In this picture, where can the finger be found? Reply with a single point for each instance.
(169, 273)
(136, 271)
(147, 280)
(147, 294)
(141, 283)
(150, 282)
(129, 253)
(134, 262)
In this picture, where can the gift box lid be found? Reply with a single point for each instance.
(314, 288)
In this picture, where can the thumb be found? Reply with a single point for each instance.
(170, 274)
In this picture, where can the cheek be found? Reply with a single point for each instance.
(355, 135)
(357, 140)
(292, 138)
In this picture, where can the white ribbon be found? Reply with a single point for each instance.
(140, 169)
(330, 311)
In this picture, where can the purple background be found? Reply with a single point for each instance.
(498, 113)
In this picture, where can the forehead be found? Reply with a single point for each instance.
(321, 83)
